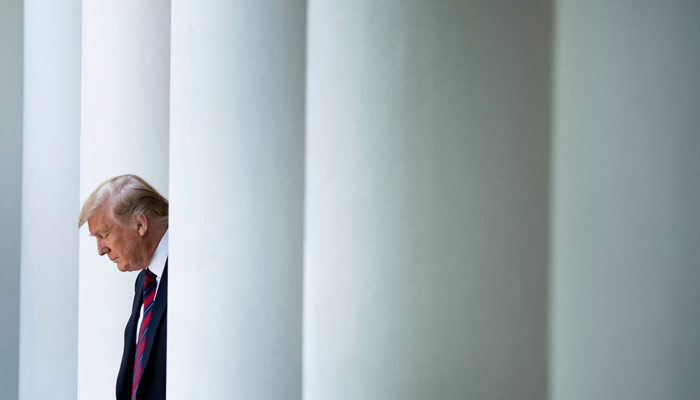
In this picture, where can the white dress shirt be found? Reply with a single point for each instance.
(156, 266)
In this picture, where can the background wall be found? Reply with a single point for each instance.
(124, 129)
(11, 53)
(50, 184)
(626, 194)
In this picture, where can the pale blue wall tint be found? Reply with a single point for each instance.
(10, 185)
(626, 221)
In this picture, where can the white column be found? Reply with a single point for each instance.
(124, 129)
(50, 185)
(426, 204)
(626, 201)
(236, 176)
(10, 191)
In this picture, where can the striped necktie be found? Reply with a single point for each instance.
(149, 293)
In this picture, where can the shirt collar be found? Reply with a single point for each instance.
(157, 264)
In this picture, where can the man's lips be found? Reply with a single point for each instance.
(115, 259)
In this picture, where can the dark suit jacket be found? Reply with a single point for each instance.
(152, 386)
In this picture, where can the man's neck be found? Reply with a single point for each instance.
(153, 238)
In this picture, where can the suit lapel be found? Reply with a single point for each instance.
(159, 305)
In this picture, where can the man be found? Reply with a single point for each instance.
(129, 220)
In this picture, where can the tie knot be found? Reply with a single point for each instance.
(150, 277)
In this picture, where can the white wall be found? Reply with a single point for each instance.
(427, 200)
(124, 129)
(236, 178)
(10, 190)
(51, 173)
(626, 195)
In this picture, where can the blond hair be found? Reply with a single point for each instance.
(125, 196)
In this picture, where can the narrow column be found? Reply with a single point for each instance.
(236, 178)
(427, 200)
(50, 185)
(10, 191)
(626, 201)
(124, 129)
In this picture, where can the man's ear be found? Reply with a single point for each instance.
(142, 224)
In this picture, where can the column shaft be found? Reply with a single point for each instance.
(626, 190)
(237, 161)
(50, 186)
(124, 129)
(10, 190)
(427, 200)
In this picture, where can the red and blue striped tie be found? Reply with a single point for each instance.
(149, 293)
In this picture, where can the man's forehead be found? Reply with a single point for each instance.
(98, 223)
(95, 228)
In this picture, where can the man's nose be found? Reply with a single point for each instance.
(102, 249)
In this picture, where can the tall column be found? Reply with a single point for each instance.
(50, 185)
(236, 178)
(124, 129)
(10, 191)
(626, 196)
(426, 207)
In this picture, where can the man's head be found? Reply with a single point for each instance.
(128, 218)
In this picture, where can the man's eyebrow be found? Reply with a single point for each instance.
(101, 231)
